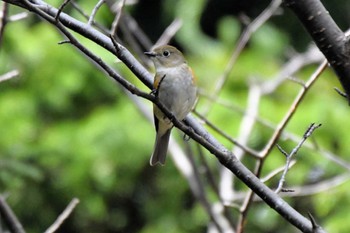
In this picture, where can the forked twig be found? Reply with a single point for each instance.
(290, 156)
(281, 126)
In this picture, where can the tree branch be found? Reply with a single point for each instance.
(63, 216)
(289, 156)
(3, 19)
(9, 217)
(332, 42)
(9, 75)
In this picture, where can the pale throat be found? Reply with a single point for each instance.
(172, 69)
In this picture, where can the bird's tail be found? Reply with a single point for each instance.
(160, 148)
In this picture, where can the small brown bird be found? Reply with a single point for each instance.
(175, 87)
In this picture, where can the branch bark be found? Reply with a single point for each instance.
(329, 38)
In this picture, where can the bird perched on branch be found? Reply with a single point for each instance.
(175, 87)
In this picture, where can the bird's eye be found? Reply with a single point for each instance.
(166, 53)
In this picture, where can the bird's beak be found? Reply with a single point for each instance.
(150, 54)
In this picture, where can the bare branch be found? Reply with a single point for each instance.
(94, 12)
(341, 93)
(79, 9)
(60, 9)
(263, 154)
(282, 151)
(63, 216)
(319, 187)
(119, 11)
(303, 190)
(18, 17)
(138, 33)
(247, 124)
(218, 219)
(226, 136)
(277, 171)
(292, 110)
(329, 38)
(169, 33)
(290, 156)
(9, 217)
(242, 41)
(315, 227)
(295, 63)
(9, 75)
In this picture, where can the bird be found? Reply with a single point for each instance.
(175, 87)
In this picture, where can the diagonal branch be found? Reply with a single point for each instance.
(332, 42)
(281, 126)
(63, 216)
(9, 217)
(242, 42)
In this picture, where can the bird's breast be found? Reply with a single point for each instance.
(177, 90)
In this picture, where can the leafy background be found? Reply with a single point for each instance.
(69, 131)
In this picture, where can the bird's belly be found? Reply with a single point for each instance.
(178, 96)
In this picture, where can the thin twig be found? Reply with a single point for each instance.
(341, 93)
(9, 217)
(169, 33)
(277, 171)
(226, 184)
(293, 65)
(287, 135)
(217, 218)
(131, 41)
(292, 109)
(63, 216)
(3, 19)
(315, 227)
(263, 154)
(212, 183)
(206, 170)
(297, 81)
(94, 12)
(80, 10)
(119, 11)
(319, 187)
(242, 41)
(61, 8)
(246, 149)
(137, 31)
(86, 16)
(9, 75)
(302, 190)
(290, 156)
(17, 17)
(334, 158)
